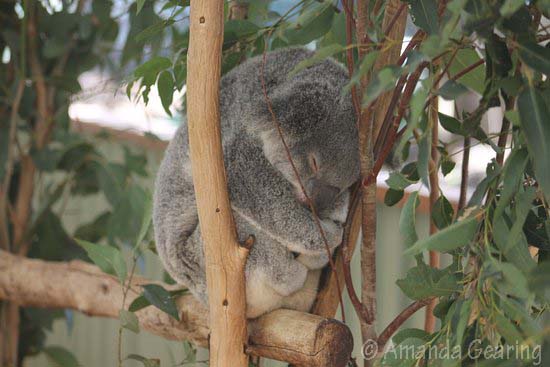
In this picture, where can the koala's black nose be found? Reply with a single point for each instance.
(322, 195)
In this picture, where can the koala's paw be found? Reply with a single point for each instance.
(303, 299)
(313, 262)
(333, 232)
(260, 297)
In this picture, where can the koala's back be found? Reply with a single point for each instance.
(242, 98)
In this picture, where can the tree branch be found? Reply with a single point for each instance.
(225, 259)
(291, 336)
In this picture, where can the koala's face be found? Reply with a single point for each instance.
(322, 138)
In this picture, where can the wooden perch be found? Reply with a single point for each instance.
(291, 336)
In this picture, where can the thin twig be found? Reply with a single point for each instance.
(10, 159)
(464, 176)
(429, 322)
(398, 321)
(349, 56)
(360, 309)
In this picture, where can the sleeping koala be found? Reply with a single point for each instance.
(318, 125)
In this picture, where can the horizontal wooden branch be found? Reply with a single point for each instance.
(294, 337)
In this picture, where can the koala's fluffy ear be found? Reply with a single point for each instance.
(298, 106)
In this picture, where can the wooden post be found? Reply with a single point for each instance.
(224, 258)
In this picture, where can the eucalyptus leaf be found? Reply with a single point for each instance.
(392, 197)
(451, 90)
(161, 298)
(129, 320)
(424, 15)
(107, 258)
(535, 56)
(166, 90)
(535, 119)
(442, 212)
(407, 220)
(146, 362)
(458, 234)
(60, 357)
(318, 57)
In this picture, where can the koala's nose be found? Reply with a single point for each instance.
(322, 195)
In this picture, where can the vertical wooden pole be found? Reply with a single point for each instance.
(224, 258)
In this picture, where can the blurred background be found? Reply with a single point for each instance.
(101, 163)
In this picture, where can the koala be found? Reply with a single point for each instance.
(318, 125)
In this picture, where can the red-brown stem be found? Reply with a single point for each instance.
(393, 134)
(349, 56)
(458, 75)
(447, 66)
(466, 70)
(503, 136)
(360, 309)
(429, 324)
(415, 40)
(398, 321)
(464, 177)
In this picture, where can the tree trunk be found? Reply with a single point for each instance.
(224, 258)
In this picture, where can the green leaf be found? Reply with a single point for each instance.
(507, 329)
(152, 30)
(398, 181)
(161, 298)
(512, 176)
(147, 362)
(423, 281)
(538, 280)
(139, 303)
(318, 57)
(152, 67)
(60, 357)
(109, 259)
(450, 124)
(236, 29)
(535, 56)
(407, 220)
(165, 86)
(447, 165)
(403, 334)
(475, 79)
(146, 220)
(451, 90)
(514, 245)
(506, 277)
(456, 235)
(315, 22)
(139, 5)
(442, 212)
(366, 64)
(129, 320)
(535, 119)
(383, 81)
(510, 7)
(392, 197)
(424, 15)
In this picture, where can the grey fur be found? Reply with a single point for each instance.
(266, 198)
